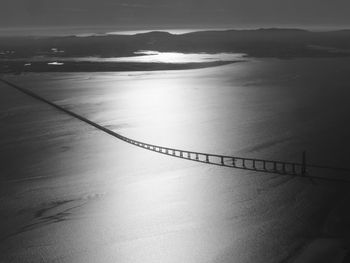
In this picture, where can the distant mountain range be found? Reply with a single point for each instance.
(274, 42)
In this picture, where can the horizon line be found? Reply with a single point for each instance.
(103, 30)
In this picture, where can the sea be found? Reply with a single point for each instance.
(79, 195)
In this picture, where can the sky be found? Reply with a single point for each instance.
(141, 14)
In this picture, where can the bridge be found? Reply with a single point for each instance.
(258, 165)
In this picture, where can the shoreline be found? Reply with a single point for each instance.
(18, 67)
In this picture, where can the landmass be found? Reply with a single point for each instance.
(20, 66)
(16, 52)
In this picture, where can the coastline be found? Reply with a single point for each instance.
(36, 67)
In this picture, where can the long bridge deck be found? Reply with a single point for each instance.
(258, 165)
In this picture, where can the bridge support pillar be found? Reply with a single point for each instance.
(207, 158)
(303, 167)
(233, 162)
(284, 168)
(197, 157)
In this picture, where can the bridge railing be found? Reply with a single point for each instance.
(260, 165)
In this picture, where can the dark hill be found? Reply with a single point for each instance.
(274, 42)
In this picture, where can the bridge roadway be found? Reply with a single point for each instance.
(258, 165)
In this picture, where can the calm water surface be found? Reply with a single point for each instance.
(268, 108)
(159, 209)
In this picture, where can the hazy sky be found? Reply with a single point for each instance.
(174, 13)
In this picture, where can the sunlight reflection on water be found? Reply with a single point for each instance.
(150, 56)
(162, 209)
